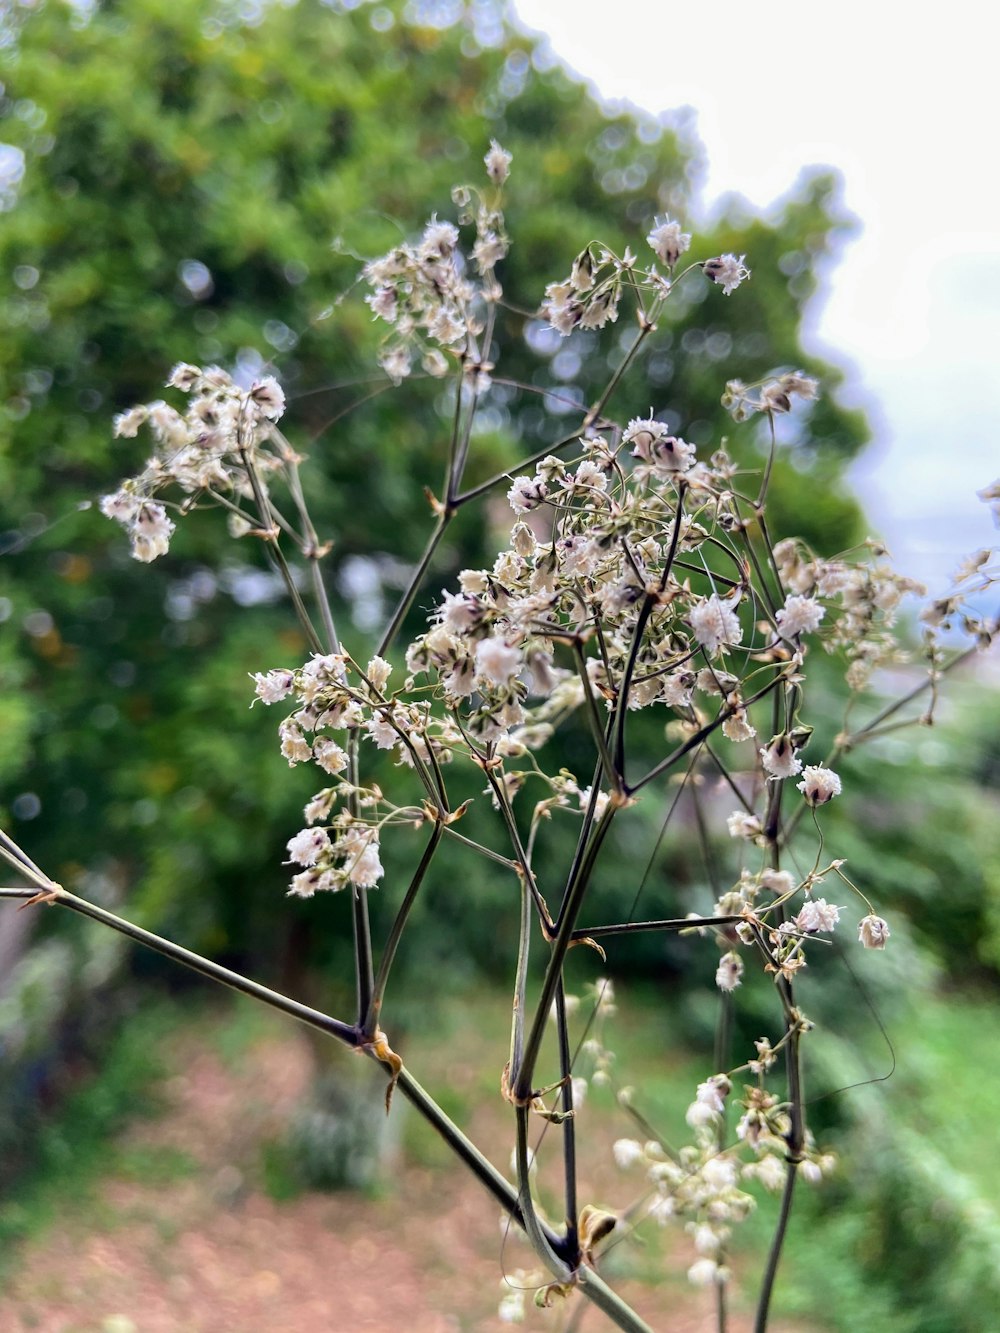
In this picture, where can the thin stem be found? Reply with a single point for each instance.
(645, 329)
(774, 1256)
(568, 913)
(674, 923)
(364, 968)
(323, 602)
(646, 610)
(597, 725)
(766, 479)
(395, 934)
(406, 601)
(697, 739)
(313, 551)
(592, 1286)
(568, 1125)
(475, 491)
(556, 1265)
(344, 1032)
(520, 1002)
(267, 527)
(484, 1171)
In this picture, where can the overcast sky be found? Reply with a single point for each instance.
(906, 108)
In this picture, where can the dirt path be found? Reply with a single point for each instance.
(203, 1249)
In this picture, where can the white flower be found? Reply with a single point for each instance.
(626, 1152)
(817, 914)
(384, 303)
(378, 671)
(778, 881)
(127, 423)
(151, 530)
(728, 271)
(737, 727)
(320, 805)
(294, 745)
(668, 241)
(709, 1102)
(600, 806)
(652, 443)
(496, 662)
(818, 785)
(771, 1172)
(715, 624)
(873, 932)
(307, 847)
(121, 506)
(439, 239)
(488, 250)
(779, 758)
(742, 825)
(329, 755)
(527, 493)
(305, 884)
(799, 615)
(274, 686)
(395, 361)
(705, 1273)
(184, 377)
(269, 397)
(707, 1240)
(511, 1308)
(359, 848)
(729, 973)
(498, 162)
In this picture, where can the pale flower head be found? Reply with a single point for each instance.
(729, 973)
(715, 624)
(496, 661)
(626, 1152)
(706, 1273)
(873, 932)
(728, 271)
(269, 397)
(307, 847)
(498, 162)
(817, 915)
(779, 758)
(799, 615)
(818, 784)
(744, 825)
(668, 242)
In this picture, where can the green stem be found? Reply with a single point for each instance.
(395, 934)
(416, 578)
(634, 927)
(568, 913)
(568, 1126)
(344, 1032)
(774, 1256)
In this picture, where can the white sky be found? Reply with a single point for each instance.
(907, 108)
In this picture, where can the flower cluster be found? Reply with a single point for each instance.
(772, 395)
(425, 292)
(333, 696)
(590, 297)
(863, 598)
(207, 450)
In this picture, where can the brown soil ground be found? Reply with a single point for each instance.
(211, 1252)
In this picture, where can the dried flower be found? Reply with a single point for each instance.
(818, 784)
(873, 932)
